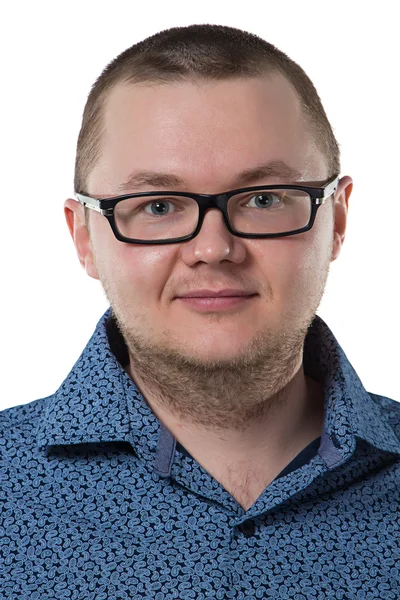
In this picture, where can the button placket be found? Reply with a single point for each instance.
(248, 528)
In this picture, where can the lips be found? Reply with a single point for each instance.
(211, 301)
(226, 293)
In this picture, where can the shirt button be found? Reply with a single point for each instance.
(248, 528)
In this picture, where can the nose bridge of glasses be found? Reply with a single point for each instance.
(208, 202)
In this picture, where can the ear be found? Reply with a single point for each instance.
(341, 206)
(75, 217)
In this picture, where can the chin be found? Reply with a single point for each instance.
(221, 351)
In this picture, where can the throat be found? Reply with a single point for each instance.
(245, 485)
(246, 463)
(246, 480)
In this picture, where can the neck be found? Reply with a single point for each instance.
(251, 453)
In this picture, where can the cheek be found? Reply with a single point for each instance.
(132, 272)
(313, 252)
(296, 267)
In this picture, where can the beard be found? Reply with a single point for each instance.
(217, 394)
(214, 394)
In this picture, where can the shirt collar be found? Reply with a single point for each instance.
(98, 402)
(350, 411)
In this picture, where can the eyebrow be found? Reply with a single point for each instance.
(274, 169)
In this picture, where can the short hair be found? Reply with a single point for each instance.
(195, 53)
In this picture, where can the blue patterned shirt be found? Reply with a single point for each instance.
(97, 502)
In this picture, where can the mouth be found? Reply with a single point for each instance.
(214, 303)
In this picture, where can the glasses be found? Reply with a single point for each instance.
(268, 211)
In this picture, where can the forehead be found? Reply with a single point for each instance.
(203, 131)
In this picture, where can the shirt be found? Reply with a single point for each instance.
(97, 503)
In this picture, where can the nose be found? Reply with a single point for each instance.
(214, 243)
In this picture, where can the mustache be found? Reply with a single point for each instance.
(182, 286)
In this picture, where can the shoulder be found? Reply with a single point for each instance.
(19, 423)
(390, 410)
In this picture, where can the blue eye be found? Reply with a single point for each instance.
(161, 207)
(265, 199)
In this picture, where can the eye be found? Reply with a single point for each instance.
(159, 207)
(265, 200)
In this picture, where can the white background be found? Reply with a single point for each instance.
(51, 53)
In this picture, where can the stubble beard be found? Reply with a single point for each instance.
(214, 394)
(217, 395)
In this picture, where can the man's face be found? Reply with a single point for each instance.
(208, 133)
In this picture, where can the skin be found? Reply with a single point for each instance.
(230, 386)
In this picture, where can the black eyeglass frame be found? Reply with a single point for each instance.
(106, 206)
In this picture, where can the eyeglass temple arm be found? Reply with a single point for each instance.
(329, 190)
(89, 202)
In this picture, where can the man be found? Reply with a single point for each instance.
(212, 441)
